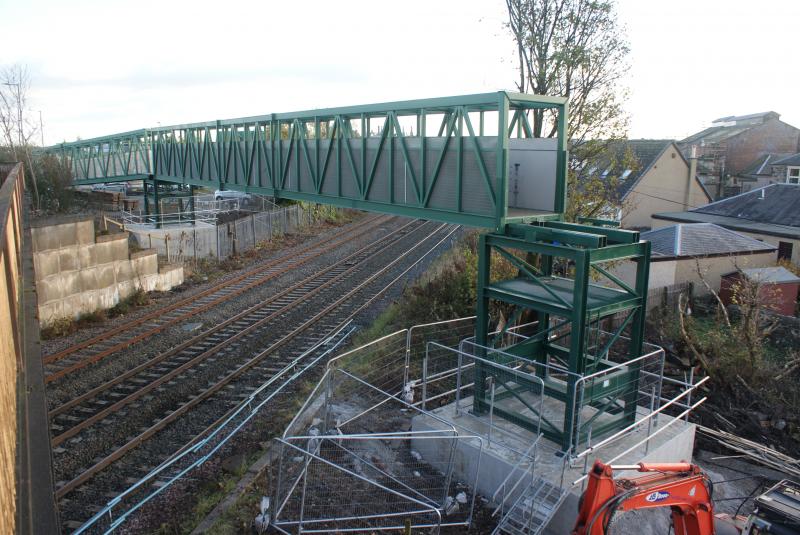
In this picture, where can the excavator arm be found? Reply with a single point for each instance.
(680, 486)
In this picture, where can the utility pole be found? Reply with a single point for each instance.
(41, 127)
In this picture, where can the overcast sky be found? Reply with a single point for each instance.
(104, 67)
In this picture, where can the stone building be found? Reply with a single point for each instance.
(737, 146)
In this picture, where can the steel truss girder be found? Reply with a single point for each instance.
(348, 156)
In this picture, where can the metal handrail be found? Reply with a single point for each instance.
(512, 472)
(245, 404)
(632, 426)
(426, 507)
(647, 438)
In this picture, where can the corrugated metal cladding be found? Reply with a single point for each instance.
(390, 174)
(394, 181)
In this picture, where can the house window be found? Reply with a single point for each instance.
(784, 250)
(793, 175)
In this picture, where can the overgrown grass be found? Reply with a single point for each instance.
(138, 298)
(447, 290)
(66, 325)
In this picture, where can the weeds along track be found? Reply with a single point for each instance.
(204, 349)
(118, 431)
(121, 337)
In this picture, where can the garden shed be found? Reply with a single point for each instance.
(779, 287)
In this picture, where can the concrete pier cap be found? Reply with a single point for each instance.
(504, 446)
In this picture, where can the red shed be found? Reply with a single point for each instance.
(779, 287)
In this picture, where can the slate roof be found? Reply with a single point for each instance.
(770, 274)
(762, 166)
(715, 134)
(645, 151)
(772, 210)
(701, 239)
(764, 115)
(777, 204)
(725, 128)
(794, 159)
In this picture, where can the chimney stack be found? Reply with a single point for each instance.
(692, 175)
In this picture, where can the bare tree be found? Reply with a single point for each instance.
(18, 130)
(575, 49)
(735, 344)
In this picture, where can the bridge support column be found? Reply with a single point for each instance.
(191, 204)
(146, 199)
(157, 202)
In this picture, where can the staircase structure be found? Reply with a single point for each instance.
(532, 510)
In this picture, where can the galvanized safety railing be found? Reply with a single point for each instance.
(648, 423)
(203, 216)
(439, 382)
(346, 462)
(180, 466)
(642, 376)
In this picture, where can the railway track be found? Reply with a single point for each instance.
(225, 369)
(90, 351)
(81, 412)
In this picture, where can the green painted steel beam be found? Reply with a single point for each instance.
(613, 235)
(539, 233)
(282, 155)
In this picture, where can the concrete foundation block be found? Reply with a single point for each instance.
(43, 240)
(73, 306)
(120, 246)
(84, 231)
(67, 234)
(107, 297)
(145, 262)
(47, 313)
(87, 257)
(46, 263)
(500, 454)
(70, 283)
(104, 252)
(126, 288)
(106, 275)
(149, 282)
(78, 273)
(124, 270)
(68, 258)
(89, 302)
(169, 276)
(88, 278)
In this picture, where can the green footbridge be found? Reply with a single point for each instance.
(469, 160)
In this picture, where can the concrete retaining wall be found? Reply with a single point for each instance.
(77, 273)
(202, 240)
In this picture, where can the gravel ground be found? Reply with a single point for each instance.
(82, 380)
(179, 432)
(162, 299)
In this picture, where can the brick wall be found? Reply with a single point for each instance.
(774, 136)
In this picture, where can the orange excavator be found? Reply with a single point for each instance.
(687, 491)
